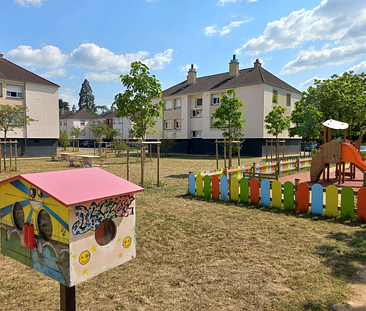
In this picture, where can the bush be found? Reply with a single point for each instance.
(119, 147)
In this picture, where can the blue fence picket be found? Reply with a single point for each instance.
(192, 184)
(317, 199)
(224, 188)
(265, 193)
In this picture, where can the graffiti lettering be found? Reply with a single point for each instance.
(90, 218)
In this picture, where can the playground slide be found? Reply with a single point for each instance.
(350, 154)
(316, 166)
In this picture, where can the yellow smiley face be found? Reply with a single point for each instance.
(84, 257)
(126, 242)
(35, 198)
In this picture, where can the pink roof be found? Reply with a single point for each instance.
(79, 186)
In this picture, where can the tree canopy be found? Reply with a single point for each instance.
(13, 117)
(135, 102)
(86, 98)
(63, 105)
(229, 117)
(342, 98)
(75, 132)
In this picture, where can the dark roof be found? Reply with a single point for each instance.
(107, 115)
(222, 81)
(10, 71)
(79, 114)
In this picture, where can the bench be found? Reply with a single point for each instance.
(55, 158)
(74, 161)
(102, 162)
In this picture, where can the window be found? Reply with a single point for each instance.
(82, 122)
(168, 125)
(213, 120)
(275, 93)
(196, 134)
(198, 102)
(215, 100)
(168, 105)
(65, 122)
(60, 123)
(14, 91)
(177, 124)
(177, 104)
(114, 121)
(288, 100)
(82, 132)
(44, 224)
(109, 121)
(120, 121)
(196, 113)
(105, 232)
(18, 215)
(1, 90)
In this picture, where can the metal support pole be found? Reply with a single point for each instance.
(158, 160)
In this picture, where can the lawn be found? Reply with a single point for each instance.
(194, 254)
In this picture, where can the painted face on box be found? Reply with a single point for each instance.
(35, 198)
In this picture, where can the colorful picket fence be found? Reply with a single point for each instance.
(262, 168)
(282, 196)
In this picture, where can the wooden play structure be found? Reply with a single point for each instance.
(226, 142)
(11, 144)
(336, 152)
(142, 144)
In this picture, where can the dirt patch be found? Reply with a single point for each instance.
(358, 301)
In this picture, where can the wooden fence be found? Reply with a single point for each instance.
(289, 196)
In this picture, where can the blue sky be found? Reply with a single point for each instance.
(67, 41)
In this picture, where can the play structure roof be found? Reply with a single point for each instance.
(335, 125)
(79, 186)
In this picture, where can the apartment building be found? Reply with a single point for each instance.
(19, 86)
(191, 103)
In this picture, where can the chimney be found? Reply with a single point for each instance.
(233, 67)
(113, 109)
(1, 55)
(73, 109)
(257, 63)
(62, 110)
(192, 75)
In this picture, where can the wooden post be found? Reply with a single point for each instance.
(16, 156)
(158, 160)
(271, 150)
(150, 152)
(266, 151)
(225, 152)
(10, 154)
(239, 153)
(225, 172)
(67, 298)
(4, 154)
(142, 165)
(329, 134)
(128, 162)
(364, 180)
(217, 155)
(298, 164)
(254, 168)
(278, 167)
(230, 154)
(283, 150)
(297, 181)
(0, 158)
(344, 171)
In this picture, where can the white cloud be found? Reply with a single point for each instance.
(312, 58)
(105, 76)
(29, 2)
(331, 20)
(222, 2)
(211, 30)
(49, 56)
(91, 56)
(60, 72)
(66, 96)
(309, 82)
(361, 67)
(187, 67)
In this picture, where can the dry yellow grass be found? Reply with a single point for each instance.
(194, 254)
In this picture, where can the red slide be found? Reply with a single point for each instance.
(350, 154)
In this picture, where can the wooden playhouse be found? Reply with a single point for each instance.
(69, 225)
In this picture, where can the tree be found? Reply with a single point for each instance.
(86, 98)
(112, 134)
(11, 118)
(342, 98)
(135, 102)
(64, 139)
(229, 118)
(63, 105)
(276, 122)
(167, 142)
(98, 131)
(75, 132)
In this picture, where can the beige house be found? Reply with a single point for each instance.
(191, 103)
(77, 118)
(19, 86)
